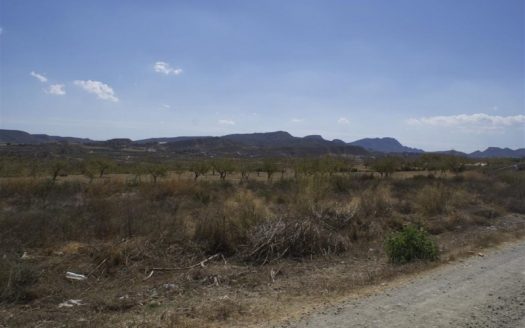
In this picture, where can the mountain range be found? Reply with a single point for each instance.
(272, 142)
(21, 137)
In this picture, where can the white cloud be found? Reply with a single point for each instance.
(56, 89)
(226, 122)
(166, 106)
(39, 77)
(102, 90)
(469, 120)
(297, 120)
(165, 68)
(343, 121)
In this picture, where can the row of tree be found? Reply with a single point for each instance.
(426, 162)
(98, 166)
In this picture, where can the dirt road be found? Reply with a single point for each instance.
(481, 291)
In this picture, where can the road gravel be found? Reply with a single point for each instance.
(485, 290)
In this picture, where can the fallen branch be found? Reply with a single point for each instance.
(201, 263)
(98, 266)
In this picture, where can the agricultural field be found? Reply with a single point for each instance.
(228, 242)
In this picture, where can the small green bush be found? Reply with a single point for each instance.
(410, 244)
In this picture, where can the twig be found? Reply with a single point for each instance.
(201, 263)
(224, 259)
(148, 276)
(98, 266)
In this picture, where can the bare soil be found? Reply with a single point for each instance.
(234, 294)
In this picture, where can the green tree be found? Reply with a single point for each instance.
(270, 167)
(331, 165)
(245, 168)
(432, 162)
(385, 166)
(454, 164)
(102, 165)
(57, 167)
(156, 171)
(199, 168)
(223, 167)
(88, 170)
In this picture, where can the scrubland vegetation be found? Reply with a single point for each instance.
(275, 231)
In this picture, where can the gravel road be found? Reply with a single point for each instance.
(481, 291)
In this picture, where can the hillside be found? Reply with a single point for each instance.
(22, 137)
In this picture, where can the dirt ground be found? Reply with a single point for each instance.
(485, 290)
(119, 291)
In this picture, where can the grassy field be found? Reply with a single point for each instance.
(180, 252)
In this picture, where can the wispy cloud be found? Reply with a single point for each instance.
(39, 77)
(297, 120)
(1, 30)
(469, 120)
(56, 89)
(343, 121)
(165, 68)
(226, 122)
(100, 89)
(166, 106)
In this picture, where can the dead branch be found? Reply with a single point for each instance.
(201, 263)
(98, 266)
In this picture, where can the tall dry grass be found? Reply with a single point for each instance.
(320, 213)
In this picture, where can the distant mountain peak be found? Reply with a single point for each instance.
(499, 152)
(384, 145)
(314, 137)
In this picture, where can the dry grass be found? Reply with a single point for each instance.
(313, 235)
(433, 200)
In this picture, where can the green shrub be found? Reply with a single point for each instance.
(410, 244)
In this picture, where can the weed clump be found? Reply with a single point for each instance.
(16, 280)
(410, 244)
(223, 229)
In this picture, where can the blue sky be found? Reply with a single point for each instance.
(436, 74)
